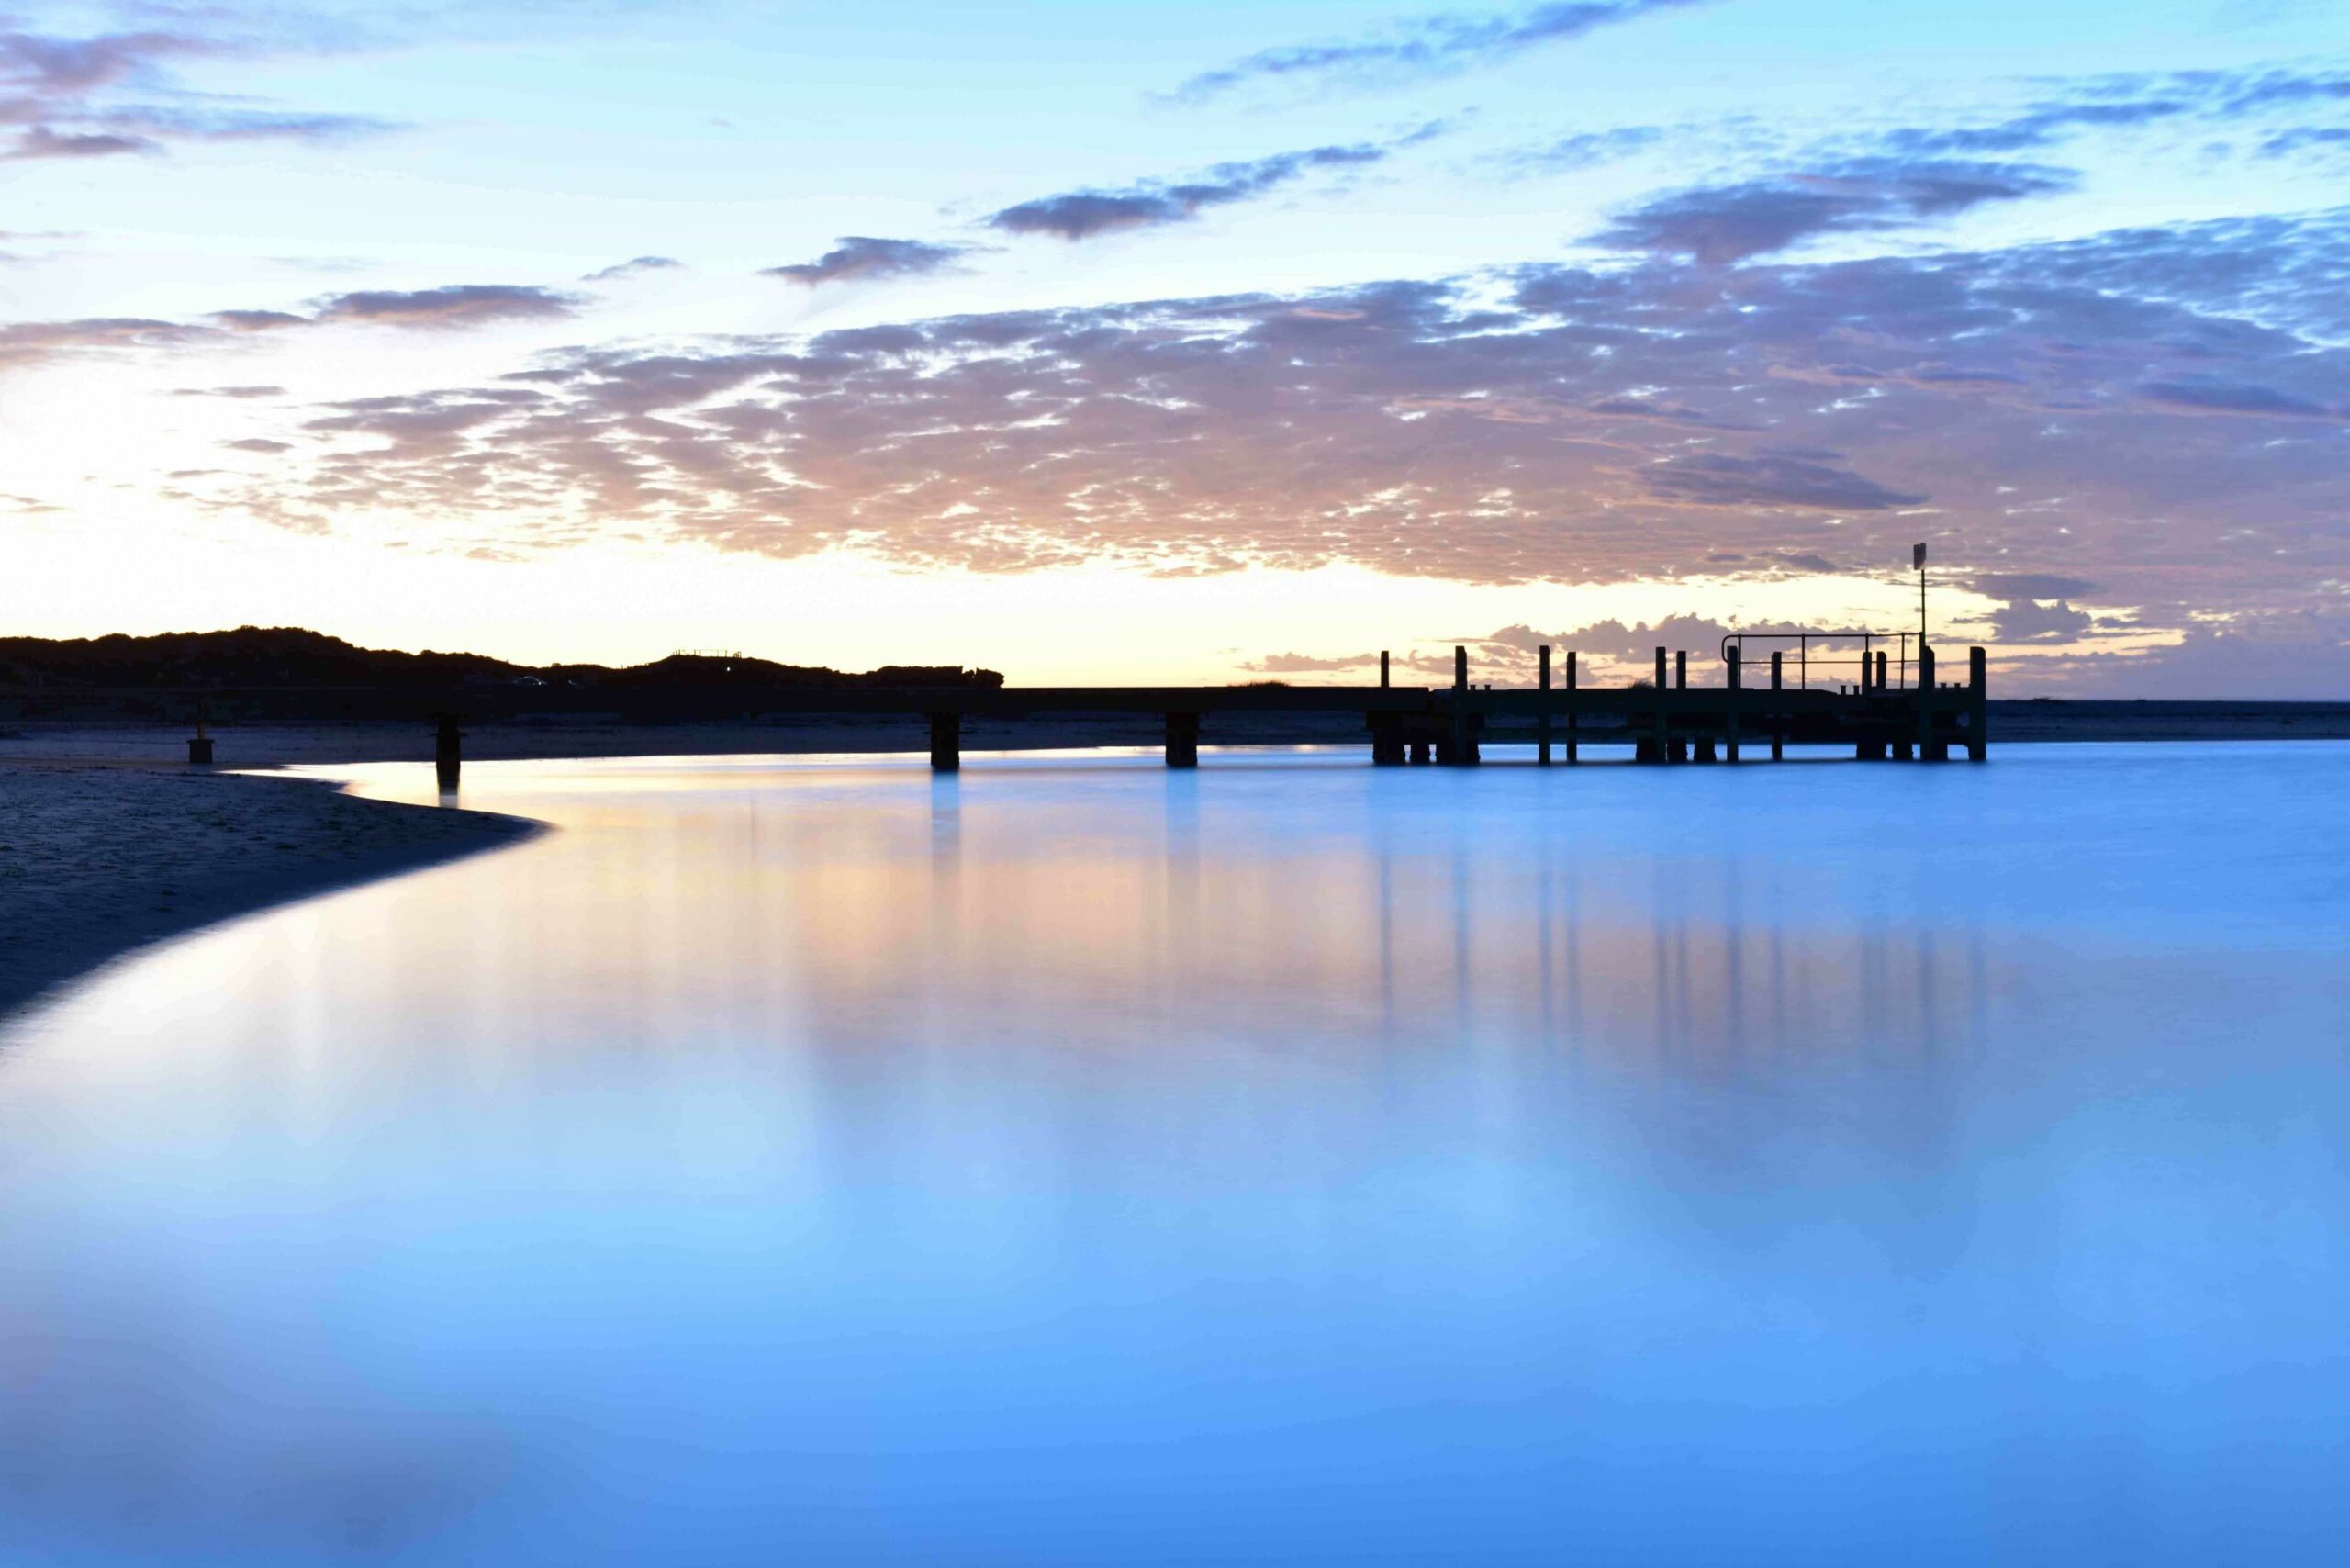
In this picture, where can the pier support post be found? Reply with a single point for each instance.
(1979, 706)
(1183, 740)
(1778, 726)
(448, 759)
(1737, 684)
(1463, 750)
(1658, 751)
(1880, 671)
(1925, 702)
(1420, 750)
(946, 743)
(1543, 720)
(1572, 705)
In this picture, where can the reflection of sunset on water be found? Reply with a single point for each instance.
(801, 1139)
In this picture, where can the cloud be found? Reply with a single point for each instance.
(1084, 215)
(1585, 150)
(234, 392)
(25, 344)
(1720, 224)
(258, 320)
(861, 258)
(2028, 585)
(258, 443)
(113, 93)
(634, 267)
(2024, 621)
(40, 142)
(2235, 398)
(454, 305)
(1771, 480)
(1307, 663)
(1436, 46)
(1641, 421)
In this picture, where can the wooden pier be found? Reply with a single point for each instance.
(1863, 701)
(1665, 722)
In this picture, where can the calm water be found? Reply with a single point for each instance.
(1077, 1163)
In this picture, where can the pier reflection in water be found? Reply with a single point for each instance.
(1071, 1162)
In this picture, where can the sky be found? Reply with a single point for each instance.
(1207, 341)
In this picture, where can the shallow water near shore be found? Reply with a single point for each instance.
(1076, 1162)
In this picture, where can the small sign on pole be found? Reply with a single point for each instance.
(1918, 557)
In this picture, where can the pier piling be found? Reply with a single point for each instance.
(1543, 720)
(1183, 740)
(1573, 703)
(1979, 706)
(447, 757)
(1926, 703)
(946, 743)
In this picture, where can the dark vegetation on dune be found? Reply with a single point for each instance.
(289, 673)
(290, 656)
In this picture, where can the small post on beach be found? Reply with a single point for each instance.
(946, 743)
(1543, 720)
(447, 753)
(1183, 740)
(1925, 703)
(199, 746)
(1979, 706)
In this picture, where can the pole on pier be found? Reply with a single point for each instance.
(447, 757)
(946, 743)
(1183, 740)
(1880, 669)
(1737, 683)
(1382, 670)
(1778, 726)
(1925, 702)
(1656, 745)
(1678, 751)
(1979, 706)
(1574, 749)
(1543, 720)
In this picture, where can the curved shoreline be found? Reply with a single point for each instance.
(97, 863)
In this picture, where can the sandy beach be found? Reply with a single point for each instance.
(96, 861)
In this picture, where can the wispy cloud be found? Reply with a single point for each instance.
(112, 94)
(862, 258)
(636, 266)
(1085, 214)
(1434, 46)
(1717, 224)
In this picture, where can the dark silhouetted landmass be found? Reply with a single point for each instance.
(290, 656)
(288, 673)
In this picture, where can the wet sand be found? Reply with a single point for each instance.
(97, 861)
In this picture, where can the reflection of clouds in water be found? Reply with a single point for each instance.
(778, 1145)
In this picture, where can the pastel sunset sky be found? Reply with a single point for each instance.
(1190, 343)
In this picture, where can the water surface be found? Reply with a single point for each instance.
(1081, 1163)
